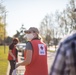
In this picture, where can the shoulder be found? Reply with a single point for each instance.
(68, 38)
(11, 46)
(28, 44)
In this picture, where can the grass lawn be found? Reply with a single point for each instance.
(3, 60)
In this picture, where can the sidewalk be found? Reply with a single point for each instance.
(8, 69)
(21, 69)
(50, 59)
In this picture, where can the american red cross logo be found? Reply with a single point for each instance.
(41, 48)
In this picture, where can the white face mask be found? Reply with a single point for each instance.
(30, 36)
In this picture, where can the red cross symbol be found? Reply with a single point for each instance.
(41, 48)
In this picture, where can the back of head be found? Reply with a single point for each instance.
(32, 29)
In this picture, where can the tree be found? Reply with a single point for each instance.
(17, 34)
(20, 34)
(8, 40)
(58, 25)
(2, 21)
(67, 19)
(46, 29)
(1, 31)
(70, 18)
(58, 30)
(71, 15)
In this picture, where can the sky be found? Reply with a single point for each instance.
(29, 12)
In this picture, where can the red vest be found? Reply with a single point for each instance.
(38, 65)
(14, 53)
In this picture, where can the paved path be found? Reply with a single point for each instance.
(8, 69)
(21, 69)
(50, 60)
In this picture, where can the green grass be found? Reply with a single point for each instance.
(3, 60)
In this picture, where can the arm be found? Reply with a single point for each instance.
(59, 62)
(28, 59)
(10, 52)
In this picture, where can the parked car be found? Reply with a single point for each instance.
(21, 47)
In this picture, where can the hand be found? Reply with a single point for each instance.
(14, 58)
(17, 65)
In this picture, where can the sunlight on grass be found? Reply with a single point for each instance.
(3, 60)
